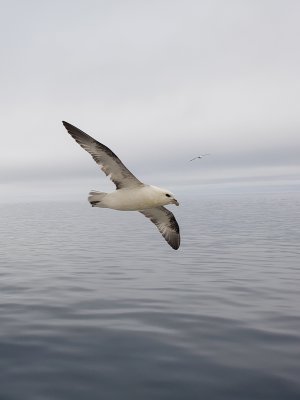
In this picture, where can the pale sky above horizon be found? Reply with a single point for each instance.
(158, 82)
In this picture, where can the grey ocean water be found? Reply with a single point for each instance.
(95, 305)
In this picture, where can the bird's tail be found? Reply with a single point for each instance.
(95, 198)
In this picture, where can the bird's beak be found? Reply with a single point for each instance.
(174, 201)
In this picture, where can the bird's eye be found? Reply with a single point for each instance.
(167, 194)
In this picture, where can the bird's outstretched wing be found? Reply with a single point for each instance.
(110, 164)
(165, 223)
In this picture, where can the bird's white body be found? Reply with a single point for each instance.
(134, 199)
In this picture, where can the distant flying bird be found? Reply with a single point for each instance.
(130, 194)
(201, 156)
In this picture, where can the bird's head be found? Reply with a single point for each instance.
(164, 196)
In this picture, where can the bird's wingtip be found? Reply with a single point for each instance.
(67, 125)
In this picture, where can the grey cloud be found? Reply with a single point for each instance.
(158, 82)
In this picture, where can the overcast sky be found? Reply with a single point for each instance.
(158, 82)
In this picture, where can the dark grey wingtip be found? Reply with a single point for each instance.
(175, 244)
(68, 126)
(76, 132)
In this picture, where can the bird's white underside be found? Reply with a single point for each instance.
(134, 199)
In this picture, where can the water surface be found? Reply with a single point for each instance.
(94, 304)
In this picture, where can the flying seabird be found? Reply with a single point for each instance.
(130, 194)
(201, 156)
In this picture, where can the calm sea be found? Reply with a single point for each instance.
(95, 305)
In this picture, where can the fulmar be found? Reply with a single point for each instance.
(130, 194)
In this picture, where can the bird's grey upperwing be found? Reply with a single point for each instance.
(110, 164)
(165, 223)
